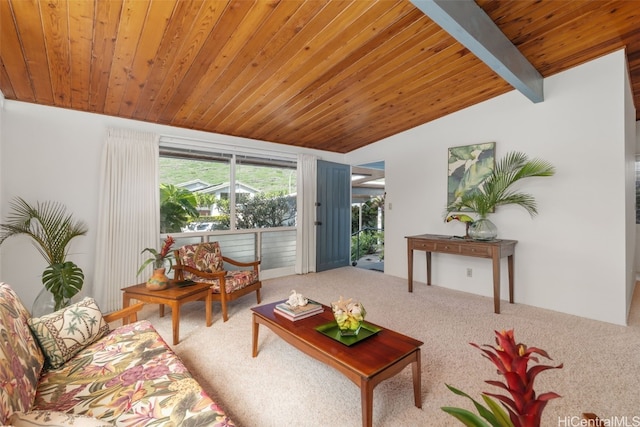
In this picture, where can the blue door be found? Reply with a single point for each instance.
(333, 216)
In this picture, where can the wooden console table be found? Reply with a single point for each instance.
(494, 250)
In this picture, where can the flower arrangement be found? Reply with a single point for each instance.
(524, 408)
(349, 315)
(159, 258)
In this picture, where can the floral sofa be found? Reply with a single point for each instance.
(68, 368)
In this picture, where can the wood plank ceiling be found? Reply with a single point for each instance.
(331, 75)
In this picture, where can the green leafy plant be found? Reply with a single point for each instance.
(178, 206)
(366, 242)
(159, 257)
(496, 189)
(51, 228)
(523, 407)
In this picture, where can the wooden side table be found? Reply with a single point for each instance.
(174, 296)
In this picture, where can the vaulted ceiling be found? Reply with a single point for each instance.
(331, 75)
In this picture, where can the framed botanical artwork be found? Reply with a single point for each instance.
(468, 167)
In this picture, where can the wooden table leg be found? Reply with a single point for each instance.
(255, 327)
(208, 301)
(410, 266)
(510, 264)
(175, 321)
(366, 395)
(428, 268)
(161, 310)
(496, 282)
(126, 300)
(417, 382)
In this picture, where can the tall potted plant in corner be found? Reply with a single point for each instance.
(496, 191)
(51, 228)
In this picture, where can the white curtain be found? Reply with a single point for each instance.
(129, 212)
(306, 205)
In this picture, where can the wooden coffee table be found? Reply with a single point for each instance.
(174, 296)
(366, 363)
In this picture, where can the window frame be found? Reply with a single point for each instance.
(207, 151)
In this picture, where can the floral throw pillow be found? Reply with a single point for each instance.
(67, 331)
(52, 418)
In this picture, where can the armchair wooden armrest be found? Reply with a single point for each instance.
(179, 275)
(253, 264)
(130, 314)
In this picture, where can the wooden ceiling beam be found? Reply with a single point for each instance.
(470, 25)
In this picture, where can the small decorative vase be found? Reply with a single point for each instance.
(348, 331)
(483, 229)
(158, 281)
(349, 321)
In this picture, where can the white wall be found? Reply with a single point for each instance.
(572, 257)
(630, 194)
(51, 153)
(637, 257)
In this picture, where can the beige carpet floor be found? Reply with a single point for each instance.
(283, 387)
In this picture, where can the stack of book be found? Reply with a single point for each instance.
(297, 313)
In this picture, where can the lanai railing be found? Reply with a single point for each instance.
(275, 247)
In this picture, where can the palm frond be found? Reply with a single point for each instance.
(51, 229)
(496, 189)
(47, 223)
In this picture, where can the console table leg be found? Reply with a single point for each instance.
(410, 265)
(510, 264)
(428, 268)
(496, 284)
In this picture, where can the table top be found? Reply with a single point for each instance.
(366, 357)
(455, 239)
(172, 292)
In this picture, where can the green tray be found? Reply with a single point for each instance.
(332, 331)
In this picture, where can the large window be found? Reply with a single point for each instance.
(207, 191)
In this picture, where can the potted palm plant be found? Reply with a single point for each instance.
(51, 228)
(496, 190)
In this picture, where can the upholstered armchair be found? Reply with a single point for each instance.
(204, 263)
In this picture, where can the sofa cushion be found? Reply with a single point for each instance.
(21, 360)
(129, 377)
(52, 418)
(65, 332)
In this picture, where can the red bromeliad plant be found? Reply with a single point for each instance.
(159, 258)
(523, 406)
